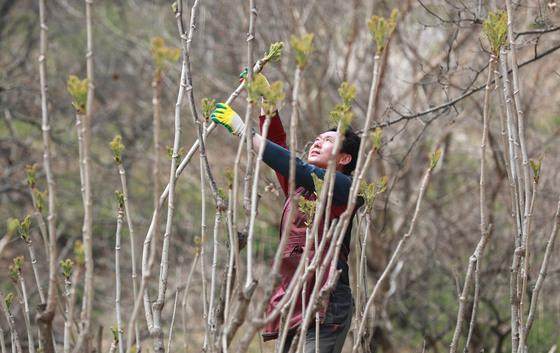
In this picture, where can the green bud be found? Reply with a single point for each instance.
(495, 30)
(180, 153)
(274, 52)
(119, 195)
(228, 174)
(222, 194)
(369, 191)
(12, 225)
(40, 197)
(342, 113)
(30, 171)
(79, 254)
(434, 158)
(207, 107)
(115, 332)
(23, 228)
(347, 92)
(318, 183)
(382, 28)
(9, 299)
(117, 147)
(14, 270)
(307, 207)
(376, 139)
(536, 167)
(303, 47)
(162, 54)
(67, 266)
(78, 89)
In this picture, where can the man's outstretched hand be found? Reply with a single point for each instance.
(227, 117)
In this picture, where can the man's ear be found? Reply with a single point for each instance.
(344, 158)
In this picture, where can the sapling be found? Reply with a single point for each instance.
(434, 158)
(5, 305)
(67, 268)
(117, 148)
(79, 89)
(494, 29)
(38, 200)
(46, 313)
(14, 271)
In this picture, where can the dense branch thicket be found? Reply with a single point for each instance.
(456, 101)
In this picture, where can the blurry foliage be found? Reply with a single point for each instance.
(162, 54)
(117, 147)
(9, 299)
(78, 89)
(119, 196)
(303, 47)
(79, 255)
(381, 28)
(14, 270)
(307, 208)
(342, 113)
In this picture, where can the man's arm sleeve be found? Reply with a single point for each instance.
(278, 158)
(277, 135)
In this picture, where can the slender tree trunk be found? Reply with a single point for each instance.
(46, 313)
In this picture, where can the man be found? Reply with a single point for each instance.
(335, 317)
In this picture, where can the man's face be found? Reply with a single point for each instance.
(322, 148)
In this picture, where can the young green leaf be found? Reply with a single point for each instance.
(382, 28)
(11, 226)
(67, 266)
(303, 47)
(307, 207)
(495, 30)
(117, 147)
(30, 171)
(14, 270)
(78, 89)
(434, 158)
(376, 139)
(274, 52)
(79, 254)
(23, 229)
(8, 299)
(162, 54)
(119, 195)
(536, 167)
(207, 107)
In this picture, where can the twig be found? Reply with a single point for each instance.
(396, 255)
(120, 215)
(11, 324)
(45, 315)
(87, 303)
(172, 321)
(542, 272)
(185, 297)
(23, 296)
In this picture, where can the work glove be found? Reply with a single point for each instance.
(227, 117)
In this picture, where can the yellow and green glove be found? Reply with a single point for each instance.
(227, 117)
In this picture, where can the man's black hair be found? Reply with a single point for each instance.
(350, 145)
